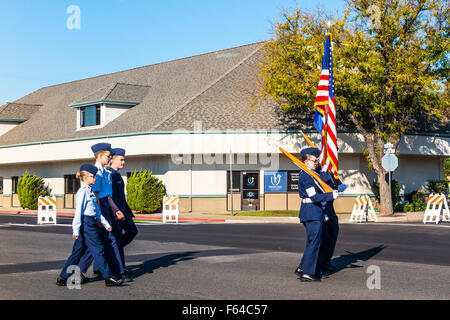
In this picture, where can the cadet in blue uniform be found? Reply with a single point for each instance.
(118, 196)
(103, 191)
(311, 215)
(85, 231)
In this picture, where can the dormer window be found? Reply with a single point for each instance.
(90, 116)
(106, 104)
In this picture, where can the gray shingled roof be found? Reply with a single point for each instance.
(172, 85)
(118, 92)
(218, 88)
(18, 110)
(234, 103)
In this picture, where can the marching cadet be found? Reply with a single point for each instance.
(118, 196)
(85, 231)
(103, 191)
(311, 215)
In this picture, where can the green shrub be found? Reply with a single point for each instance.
(437, 186)
(145, 192)
(408, 207)
(29, 189)
(414, 207)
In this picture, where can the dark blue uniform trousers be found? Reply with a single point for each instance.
(130, 229)
(130, 232)
(88, 240)
(310, 257)
(329, 238)
(112, 242)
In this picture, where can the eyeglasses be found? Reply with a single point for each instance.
(106, 155)
(315, 161)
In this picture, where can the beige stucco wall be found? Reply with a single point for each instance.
(275, 201)
(293, 201)
(236, 201)
(6, 203)
(214, 205)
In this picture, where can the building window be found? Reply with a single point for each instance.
(236, 181)
(90, 116)
(14, 180)
(71, 184)
(1, 185)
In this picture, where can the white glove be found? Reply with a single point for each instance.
(335, 194)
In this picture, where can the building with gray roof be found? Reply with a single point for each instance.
(181, 119)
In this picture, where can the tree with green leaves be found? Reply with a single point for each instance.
(29, 189)
(390, 68)
(144, 191)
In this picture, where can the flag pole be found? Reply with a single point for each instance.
(311, 144)
(338, 180)
(325, 130)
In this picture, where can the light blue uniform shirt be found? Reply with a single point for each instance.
(86, 204)
(103, 184)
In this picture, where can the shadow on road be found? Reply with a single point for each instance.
(349, 260)
(161, 262)
(168, 260)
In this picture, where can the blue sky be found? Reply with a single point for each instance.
(39, 50)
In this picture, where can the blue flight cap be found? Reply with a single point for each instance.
(118, 152)
(101, 146)
(89, 168)
(312, 151)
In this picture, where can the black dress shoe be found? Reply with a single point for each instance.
(308, 278)
(298, 272)
(113, 282)
(60, 281)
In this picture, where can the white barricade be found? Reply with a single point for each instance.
(46, 210)
(436, 206)
(363, 208)
(170, 209)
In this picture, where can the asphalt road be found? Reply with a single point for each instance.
(199, 261)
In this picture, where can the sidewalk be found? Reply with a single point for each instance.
(207, 217)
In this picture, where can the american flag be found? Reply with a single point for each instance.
(325, 117)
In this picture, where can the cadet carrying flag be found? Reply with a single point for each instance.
(325, 116)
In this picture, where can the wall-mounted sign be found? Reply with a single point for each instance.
(275, 181)
(250, 180)
(293, 180)
(250, 194)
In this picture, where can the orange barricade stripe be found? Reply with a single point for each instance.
(43, 200)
